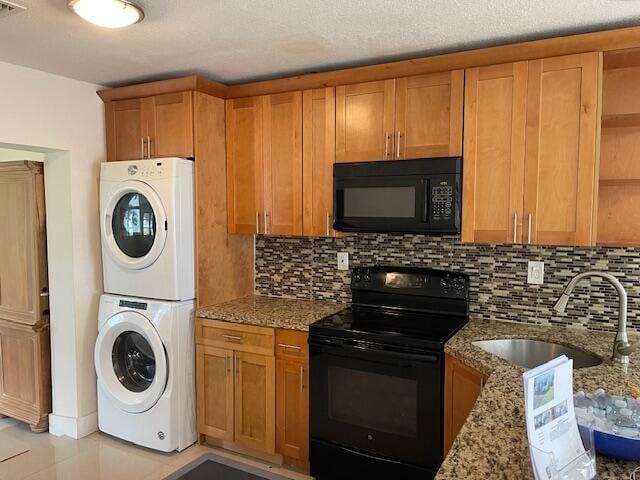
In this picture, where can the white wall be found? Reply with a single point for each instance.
(64, 119)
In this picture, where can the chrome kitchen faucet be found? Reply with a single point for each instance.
(621, 346)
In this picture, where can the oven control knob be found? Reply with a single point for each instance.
(458, 284)
(446, 283)
(357, 277)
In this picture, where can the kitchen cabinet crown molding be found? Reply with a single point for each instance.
(605, 40)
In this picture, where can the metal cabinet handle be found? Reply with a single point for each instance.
(264, 218)
(44, 294)
(481, 383)
(529, 229)
(257, 222)
(386, 144)
(227, 365)
(515, 227)
(267, 222)
(292, 347)
(328, 224)
(301, 379)
(141, 148)
(232, 338)
(398, 144)
(235, 364)
(148, 146)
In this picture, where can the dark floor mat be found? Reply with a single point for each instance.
(213, 467)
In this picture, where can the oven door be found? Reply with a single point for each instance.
(395, 203)
(378, 400)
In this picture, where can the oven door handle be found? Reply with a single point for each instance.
(356, 346)
(374, 457)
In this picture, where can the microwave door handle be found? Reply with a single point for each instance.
(425, 205)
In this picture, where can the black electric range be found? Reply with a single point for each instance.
(377, 374)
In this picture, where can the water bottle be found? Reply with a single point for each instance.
(615, 410)
(602, 403)
(583, 400)
(626, 424)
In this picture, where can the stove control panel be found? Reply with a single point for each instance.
(410, 280)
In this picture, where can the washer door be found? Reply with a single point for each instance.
(134, 227)
(131, 362)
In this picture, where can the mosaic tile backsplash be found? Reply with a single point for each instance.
(306, 268)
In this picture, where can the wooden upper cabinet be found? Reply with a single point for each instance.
(125, 131)
(429, 115)
(150, 127)
(494, 147)
(23, 256)
(282, 160)
(172, 134)
(563, 112)
(318, 157)
(244, 164)
(365, 121)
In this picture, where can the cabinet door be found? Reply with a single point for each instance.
(255, 402)
(125, 130)
(244, 164)
(215, 392)
(364, 121)
(172, 128)
(282, 157)
(462, 388)
(429, 115)
(292, 411)
(318, 143)
(494, 147)
(25, 374)
(23, 260)
(561, 157)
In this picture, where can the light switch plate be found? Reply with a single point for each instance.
(343, 260)
(535, 273)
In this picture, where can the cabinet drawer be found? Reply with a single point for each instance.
(291, 344)
(243, 338)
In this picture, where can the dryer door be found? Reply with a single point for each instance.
(131, 362)
(134, 225)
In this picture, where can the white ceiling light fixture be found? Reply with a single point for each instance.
(107, 13)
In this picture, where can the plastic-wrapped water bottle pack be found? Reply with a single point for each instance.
(608, 414)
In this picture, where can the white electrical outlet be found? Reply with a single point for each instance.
(535, 273)
(343, 260)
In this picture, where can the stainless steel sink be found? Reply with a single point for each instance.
(531, 353)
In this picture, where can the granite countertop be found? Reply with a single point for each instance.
(272, 312)
(492, 444)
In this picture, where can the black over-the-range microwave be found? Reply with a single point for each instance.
(400, 196)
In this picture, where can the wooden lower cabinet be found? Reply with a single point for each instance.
(235, 369)
(462, 386)
(25, 374)
(292, 397)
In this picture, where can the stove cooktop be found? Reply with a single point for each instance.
(395, 327)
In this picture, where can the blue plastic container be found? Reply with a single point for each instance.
(614, 446)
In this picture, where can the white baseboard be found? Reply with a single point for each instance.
(73, 427)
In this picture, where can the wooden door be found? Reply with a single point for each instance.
(292, 397)
(282, 160)
(244, 165)
(23, 257)
(318, 143)
(494, 148)
(255, 401)
(462, 388)
(429, 115)
(561, 157)
(126, 135)
(214, 375)
(172, 128)
(25, 373)
(364, 121)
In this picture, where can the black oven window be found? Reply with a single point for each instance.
(380, 202)
(380, 403)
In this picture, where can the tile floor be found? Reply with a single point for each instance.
(99, 456)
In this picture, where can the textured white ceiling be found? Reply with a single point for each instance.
(239, 40)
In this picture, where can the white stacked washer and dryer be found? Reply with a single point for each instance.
(144, 354)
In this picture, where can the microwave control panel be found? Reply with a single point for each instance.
(443, 194)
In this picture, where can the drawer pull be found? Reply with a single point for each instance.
(292, 347)
(232, 338)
